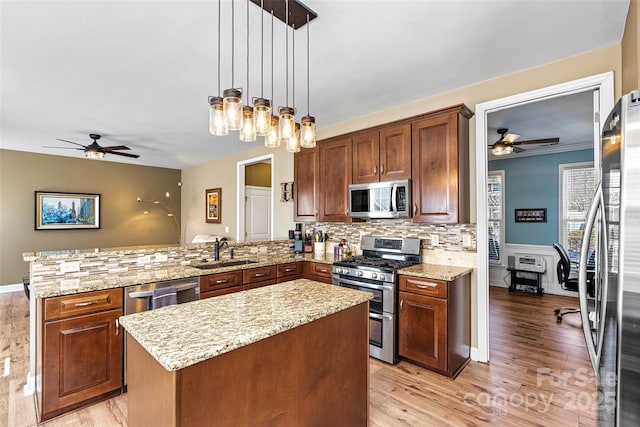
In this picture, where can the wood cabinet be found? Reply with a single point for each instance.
(434, 328)
(216, 284)
(440, 166)
(317, 271)
(335, 177)
(258, 277)
(305, 188)
(382, 155)
(78, 350)
(289, 271)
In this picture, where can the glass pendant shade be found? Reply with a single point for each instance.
(262, 115)
(217, 123)
(248, 126)
(308, 132)
(92, 154)
(287, 124)
(272, 139)
(293, 143)
(232, 108)
(500, 149)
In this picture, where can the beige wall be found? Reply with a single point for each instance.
(631, 50)
(122, 221)
(223, 173)
(258, 174)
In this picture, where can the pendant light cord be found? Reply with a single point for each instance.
(233, 44)
(247, 94)
(293, 66)
(286, 43)
(262, 49)
(272, 100)
(308, 109)
(219, 1)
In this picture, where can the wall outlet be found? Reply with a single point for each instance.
(435, 240)
(226, 228)
(70, 266)
(466, 240)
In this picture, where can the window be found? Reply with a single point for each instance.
(495, 216)
(577, 185)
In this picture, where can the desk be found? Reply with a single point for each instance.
(519, 277)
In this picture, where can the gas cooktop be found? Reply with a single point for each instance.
(383, 264)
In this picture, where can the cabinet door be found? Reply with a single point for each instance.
(366, 157)
(305, 188)
(423, 330)
(289, 271)
(335, 178)
(82, 359)
(395, 153)
(435, 170)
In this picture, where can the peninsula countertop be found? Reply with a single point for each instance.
(183, 335)
(435, 271)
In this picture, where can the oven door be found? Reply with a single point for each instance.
(381, 333)
(384, 299)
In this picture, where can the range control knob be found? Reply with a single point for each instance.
(338, 270)
(360, 273)
(374, 275)
(381, 277)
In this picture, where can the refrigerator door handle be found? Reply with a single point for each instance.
(594, 353)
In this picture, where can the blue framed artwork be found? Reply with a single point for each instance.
(63, 211)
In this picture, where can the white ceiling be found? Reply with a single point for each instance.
(140, 72)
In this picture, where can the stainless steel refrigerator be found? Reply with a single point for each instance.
(610, 301)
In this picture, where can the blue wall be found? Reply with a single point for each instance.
(533, 182)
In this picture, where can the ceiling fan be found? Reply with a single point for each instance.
(508, 142)
(97, 151)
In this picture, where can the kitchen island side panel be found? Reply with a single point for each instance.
(316, 374)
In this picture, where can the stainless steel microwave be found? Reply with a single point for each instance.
(390, 199)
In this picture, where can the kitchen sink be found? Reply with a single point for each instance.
(223, 264)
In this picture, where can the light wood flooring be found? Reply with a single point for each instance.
(539, 375)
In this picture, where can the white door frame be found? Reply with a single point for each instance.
(603, 82)
(240, 228)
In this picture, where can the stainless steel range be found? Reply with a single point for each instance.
(376, 272)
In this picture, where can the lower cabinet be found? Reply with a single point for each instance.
(317, 271)
(258, 277)
(435, 323)
(78, 350)
(213, 285)
(289, 271)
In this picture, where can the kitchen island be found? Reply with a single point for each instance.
(295, 353)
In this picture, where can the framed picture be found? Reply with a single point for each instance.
(213, 205)
(531, 215)
(64, 211)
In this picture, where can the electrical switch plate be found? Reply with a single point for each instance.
(466, 240)
(70, 266)
(226, 228)
(435, 240)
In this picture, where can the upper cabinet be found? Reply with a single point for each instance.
(335, 177)
(440, 164)
(305, 188)
(382, 155)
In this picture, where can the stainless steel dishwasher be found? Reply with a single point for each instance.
(137, 298)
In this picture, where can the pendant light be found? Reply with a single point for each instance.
(272, 138)
(232, 97)
(262, 106)
(287, 114)
(248, 125)
(293, 144)
(308, 132)
(217, 123)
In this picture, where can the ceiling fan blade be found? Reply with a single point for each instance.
(510, 137)
(116, 147)
(518, 150)
(134, 156)
(71, 142)
(63, 148)
(550, 141)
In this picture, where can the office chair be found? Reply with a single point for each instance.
(567, 279)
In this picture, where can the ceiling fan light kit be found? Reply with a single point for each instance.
(508, 142)
(258, 119)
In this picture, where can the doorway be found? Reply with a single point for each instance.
(259, 210)
(602, 84)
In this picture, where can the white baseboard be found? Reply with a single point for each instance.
(11, 288)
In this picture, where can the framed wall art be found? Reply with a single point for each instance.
(213, 205)
(64, 211)
(531, 215)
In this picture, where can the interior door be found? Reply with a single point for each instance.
(257, 213)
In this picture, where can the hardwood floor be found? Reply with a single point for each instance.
(539, 375)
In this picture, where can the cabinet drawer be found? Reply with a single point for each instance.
(432, 288)
(259, 274)
(217, 281)
(320, 269)
(246, 287)
(86, 302)
(219, 292)
(289, 269)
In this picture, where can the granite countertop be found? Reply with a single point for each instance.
(95, 282)
(182, 335)
(435, 271)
